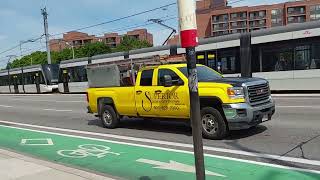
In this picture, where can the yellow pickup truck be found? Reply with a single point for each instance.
(162, 92)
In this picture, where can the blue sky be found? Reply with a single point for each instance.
(22, 20)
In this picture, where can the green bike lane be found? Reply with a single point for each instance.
(134, 161)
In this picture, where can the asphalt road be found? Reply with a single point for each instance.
(293, 132)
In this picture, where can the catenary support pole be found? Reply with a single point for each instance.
(46, 33)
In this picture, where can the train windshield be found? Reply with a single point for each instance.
(51, 73)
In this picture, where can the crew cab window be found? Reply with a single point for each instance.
(146, 78)
(176, 80)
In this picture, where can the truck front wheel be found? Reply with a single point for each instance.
(109, 117)
(213, 124)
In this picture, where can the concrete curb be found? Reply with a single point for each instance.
(59, 167)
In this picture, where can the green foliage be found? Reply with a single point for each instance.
(88, 50)
(129, 43)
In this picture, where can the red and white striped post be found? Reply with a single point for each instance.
(189, 40)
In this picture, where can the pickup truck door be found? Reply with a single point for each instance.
(144, 93)
(172, 101)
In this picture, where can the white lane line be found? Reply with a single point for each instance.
(48, 101)
(176, 144)
(295, 95)
(311, 107)
(57, 110)
(296, 98)
(166, 149)
(5, 106)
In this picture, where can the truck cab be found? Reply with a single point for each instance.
(162, 92)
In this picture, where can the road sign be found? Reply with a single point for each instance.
(134, 161)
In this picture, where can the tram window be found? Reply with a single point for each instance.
(29, 78)
(77, 74)
(277, 61)
(315, 61)
(302, 58)
(17, 79)
(4, 81)
(228, 65)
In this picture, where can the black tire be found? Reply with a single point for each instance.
(213, 124)
(109, 117)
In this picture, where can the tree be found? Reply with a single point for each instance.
(129, 43)
(89, 50)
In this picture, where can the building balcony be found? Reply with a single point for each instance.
(252, 26)
(296, 13)
(296, 21)
(238, 19)
(257, 18)
(220, 21)
(220, 29)
(239, 27)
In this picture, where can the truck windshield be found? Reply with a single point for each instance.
(205, 74)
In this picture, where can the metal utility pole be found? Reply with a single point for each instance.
(9, 59)
(45, 23)
(189, 40)
(160, 22)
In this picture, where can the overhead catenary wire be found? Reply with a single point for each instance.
(118, 19)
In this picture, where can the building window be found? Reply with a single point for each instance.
(296, 10)
(296, 19)
(315, 12)
(220, 18)
(240, 15)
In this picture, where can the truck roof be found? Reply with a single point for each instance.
(168, 65)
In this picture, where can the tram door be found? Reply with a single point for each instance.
(15, 84)
(65, 79)
(37, 81)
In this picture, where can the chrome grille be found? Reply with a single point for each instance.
(258, 93)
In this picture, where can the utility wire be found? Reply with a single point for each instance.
(119, 19)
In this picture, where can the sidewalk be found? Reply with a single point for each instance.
(15, 166)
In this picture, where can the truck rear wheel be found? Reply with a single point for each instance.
(213, 124)
(109, 117)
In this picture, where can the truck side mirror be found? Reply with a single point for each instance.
(167, 81)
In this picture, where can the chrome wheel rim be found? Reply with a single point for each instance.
(107, 118)
(209, 123)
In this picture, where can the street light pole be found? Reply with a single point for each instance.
(189, 40)
(72, 48)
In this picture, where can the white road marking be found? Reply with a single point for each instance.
(161, 148)
(295, 95)
(57, 110)
(311, 107)
(176, 144)
(37, 142)
(47, 101)
(175, 166)
(5, 106)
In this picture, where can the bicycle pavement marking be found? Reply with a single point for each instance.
(141, 161)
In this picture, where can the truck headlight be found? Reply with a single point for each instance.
(235, 92)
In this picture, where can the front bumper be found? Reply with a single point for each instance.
(243, 116)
